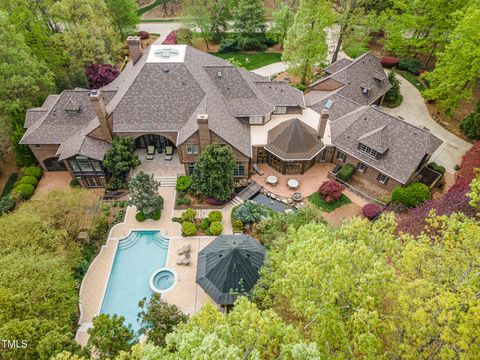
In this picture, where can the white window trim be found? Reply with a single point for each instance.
(190, 149)
(252, 120)
(368, 151)
(277, 111)
(362, 167)
(382, 178)
(341, 156)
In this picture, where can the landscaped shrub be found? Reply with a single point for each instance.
(25, 191)
(182, 200)
(215, 216)
(410, 65)
(393, 97)
(188, 229)
(250, 212)
(189, 215)
(438, 168)
(33, 171)
(74, 183)
(470, 124)
(183, 183)
(228, 46)
(331, 190)
(6, 205)
(346, 172)
(140, 216)
(144, 35)
(371, 211)
(99, 75)
(205, 224)
(237, 225)
(216, 228)
(411, 195)
(317, 200)
(184, 36)
(29, 180)
(389, 61)
(171, 39)
(155, 215)
(12, 179)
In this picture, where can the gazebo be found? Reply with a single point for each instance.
(229, 265)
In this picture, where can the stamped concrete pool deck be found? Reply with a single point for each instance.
(186, 294)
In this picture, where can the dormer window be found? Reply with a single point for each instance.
(280, 110)
(255, 120)
(379, 80)
(73, 111)
(368, 150)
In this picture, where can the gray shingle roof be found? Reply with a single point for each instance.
(339, 106)
(229, 263)
(337, 65)
(293, 140)
(365, 72)
(404, 145)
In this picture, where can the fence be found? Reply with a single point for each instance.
(356, 191)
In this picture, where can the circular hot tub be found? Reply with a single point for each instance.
(162, 280)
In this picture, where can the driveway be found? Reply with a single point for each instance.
(271, 69)
(414, 110)
(162, 28)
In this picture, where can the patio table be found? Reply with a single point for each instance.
(272, 179)
(292, 184)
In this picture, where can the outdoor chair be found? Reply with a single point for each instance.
(179, 261)
(180, 251)
(168, 153)
(187, 248)
(150, 152)
(186, 261)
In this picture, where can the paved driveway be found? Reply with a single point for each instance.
(414, 110)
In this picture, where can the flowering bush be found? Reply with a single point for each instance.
(171, 39)
(144, 35)
(389, 61)
(371, 211)
(99, 75)
(331, 190)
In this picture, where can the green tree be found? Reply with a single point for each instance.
(470, 124)
(121, 157)
(158, 318)
(56, 341)
(282, 21)
(109, 336)
(249, 24)
(393, 96)
(457, 71)
(143, 194)
(474, 193)
(124, 16)
(305, 46)
(213, 174)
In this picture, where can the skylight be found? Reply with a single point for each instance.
(329, 104)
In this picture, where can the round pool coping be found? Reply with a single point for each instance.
(157, 290)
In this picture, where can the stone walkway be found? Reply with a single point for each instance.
(414, 110)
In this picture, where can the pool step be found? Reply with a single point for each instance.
(236, 201)
(129, 242)
(161, 242)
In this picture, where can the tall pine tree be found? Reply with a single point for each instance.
(249, 25)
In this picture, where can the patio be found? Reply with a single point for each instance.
(158, 166)
(308, 182)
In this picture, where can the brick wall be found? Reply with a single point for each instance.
(44, 152)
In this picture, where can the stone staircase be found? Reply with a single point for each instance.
(166, 181)
(236, 201)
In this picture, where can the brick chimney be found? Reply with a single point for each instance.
(101, 112)
(134, 47)
(322, 123)
(203, 131)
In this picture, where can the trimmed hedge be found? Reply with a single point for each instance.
(237, 224)
(33, 171)
(140, 216)
(435, 167)
(215, 216)
(27, 179)
(183, 183)
(7, 189)
(411, 195)
(205, 224)
(155, 215)
(189, 215)
(188, 229)
(346, 172)
(216, 228)
(6, 205)
(74, 183)
(24, 190)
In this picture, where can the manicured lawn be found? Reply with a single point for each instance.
(252, 61)
(412, 79)
(318, 201)
(355, 49)
(147, 8)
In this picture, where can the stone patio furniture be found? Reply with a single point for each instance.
(297, 196)
(168, 153)
(293, 184)
(272, 180)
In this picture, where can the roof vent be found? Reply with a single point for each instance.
(166, 53)
(165, 69)
(219, 74)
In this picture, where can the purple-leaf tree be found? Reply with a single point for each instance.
(99, 75)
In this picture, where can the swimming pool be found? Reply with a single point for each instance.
(137, 257)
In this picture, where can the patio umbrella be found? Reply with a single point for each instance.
(229, 264)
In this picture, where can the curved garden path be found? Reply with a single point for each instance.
(414, 110)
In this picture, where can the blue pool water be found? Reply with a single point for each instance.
(163, 280)
(137, 257)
